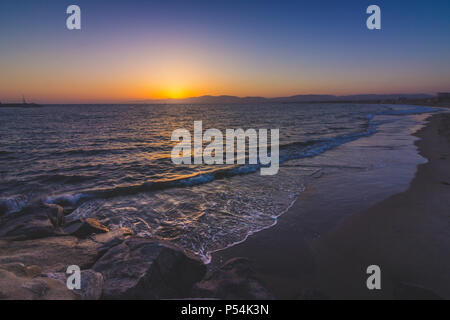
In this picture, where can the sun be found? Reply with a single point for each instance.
(175, 93)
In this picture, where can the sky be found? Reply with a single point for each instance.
(132, 50)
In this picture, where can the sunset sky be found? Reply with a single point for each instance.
(130, 50)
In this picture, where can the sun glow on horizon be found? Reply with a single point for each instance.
(174, 92)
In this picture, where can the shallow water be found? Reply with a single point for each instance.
(113, 163)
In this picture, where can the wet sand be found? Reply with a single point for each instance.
(407, 235)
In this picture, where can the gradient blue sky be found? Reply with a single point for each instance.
(130, 50)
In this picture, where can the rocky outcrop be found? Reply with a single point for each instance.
(33, 222)
(52, 254)
(36, 247)
(35, 269)
(91, 284)
(117, 266)
(55, 254)
(55, 214)
(18, 282)
(85, 227)
(147, 269)
(234, 280)
(85, 210)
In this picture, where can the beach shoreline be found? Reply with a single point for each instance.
(318, 249)
(404, 234)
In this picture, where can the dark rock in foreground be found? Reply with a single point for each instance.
(147, 269)
(234, 280)
(85, 227)
(35, 253)
(37, 221)
(18, 282)
(55, 254)
(91, 284)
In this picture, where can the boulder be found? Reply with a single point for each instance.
(85, 210)
(85, 227)
(91, 283)
(147, 269)
(17, 283)
(235, 280)
(20, 269)
(51, 254)
(55, 254)
(111, 239)
(55, 214)
(37, 221)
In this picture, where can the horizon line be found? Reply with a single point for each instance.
(205, 96)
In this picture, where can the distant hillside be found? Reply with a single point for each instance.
(206, 100)
(297, 98)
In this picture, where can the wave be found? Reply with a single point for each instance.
(93, 152)
(8, 155)
(411, 110)
(66, 178)
(289, 151)
(68, 199)
(12, 204)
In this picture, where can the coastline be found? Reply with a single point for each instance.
(319, 249)
(404, 234)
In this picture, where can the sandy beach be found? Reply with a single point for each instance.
(406, 235)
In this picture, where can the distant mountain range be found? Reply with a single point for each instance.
(297, 98)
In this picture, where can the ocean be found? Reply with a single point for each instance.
(113, 163)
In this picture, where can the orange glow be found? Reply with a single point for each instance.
(180, 71)
(173, 92)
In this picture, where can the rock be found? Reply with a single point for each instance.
(68, 210)
(55, 254)
(85, 210)
(37, 221)
(91, 283)
(56, 215)
(147, 269)
(17, 284)
(235, 280)
(51, 254)
(21, 270)
(85, 227)
(111, 239)
(38, 288)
